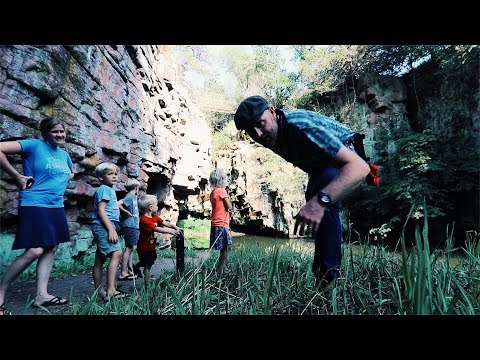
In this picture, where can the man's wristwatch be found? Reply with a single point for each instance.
(324, 199)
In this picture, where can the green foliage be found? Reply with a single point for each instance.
(423, 174)
(221, 141)
(325, 69)
(282, 177)
(218, 121)
(458, 61)
(191, 58)
(197, 233)
(83, 264)
(418, 165)
(260, 72)
(420, 176)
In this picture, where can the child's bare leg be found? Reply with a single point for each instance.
(146, 274)
(97, 273)
(126, 261)
(112, 271)
(223, 256)
(130, 261)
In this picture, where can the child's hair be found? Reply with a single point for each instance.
(218, 178)
(49, 123)
(105, 167)
(145, 201)
(131, 184)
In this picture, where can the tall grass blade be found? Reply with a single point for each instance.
(175, 298)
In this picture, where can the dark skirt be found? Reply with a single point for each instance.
(40, 227)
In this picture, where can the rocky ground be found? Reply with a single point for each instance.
(76, 287)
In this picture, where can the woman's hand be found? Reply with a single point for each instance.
(21, 181)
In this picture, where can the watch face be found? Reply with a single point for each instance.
(324, 199)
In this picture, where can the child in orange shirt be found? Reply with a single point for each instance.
(150, 223)
(220, 238)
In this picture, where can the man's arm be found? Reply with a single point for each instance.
(353, 171)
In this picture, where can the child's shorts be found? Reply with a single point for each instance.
(131, 236)
(100, 236)
(220, 237)
(147, 258)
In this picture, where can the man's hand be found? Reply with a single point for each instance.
(309, 217)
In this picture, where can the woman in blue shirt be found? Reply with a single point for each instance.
(42, 223)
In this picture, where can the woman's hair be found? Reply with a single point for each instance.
(49, 123)
(218, 178)
(145, 201)
(105, 167)
(131, 184)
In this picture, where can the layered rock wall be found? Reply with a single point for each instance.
(121, 104)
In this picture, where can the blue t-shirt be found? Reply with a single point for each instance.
(106, 193)
(131, 204)
(51, 169)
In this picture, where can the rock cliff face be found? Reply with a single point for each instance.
(257, 209)
(121, 104)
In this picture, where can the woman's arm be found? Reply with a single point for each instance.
(12, 147)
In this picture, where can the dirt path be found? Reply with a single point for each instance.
(77, 287)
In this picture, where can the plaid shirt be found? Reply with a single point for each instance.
(309, 140)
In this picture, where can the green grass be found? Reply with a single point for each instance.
(278, 281)
(197, 233)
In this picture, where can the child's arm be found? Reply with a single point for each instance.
(167, 230)
(102, 214)
(120, 206)
(227, 204)
(170, 225)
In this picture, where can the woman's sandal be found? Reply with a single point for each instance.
(55, 301)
